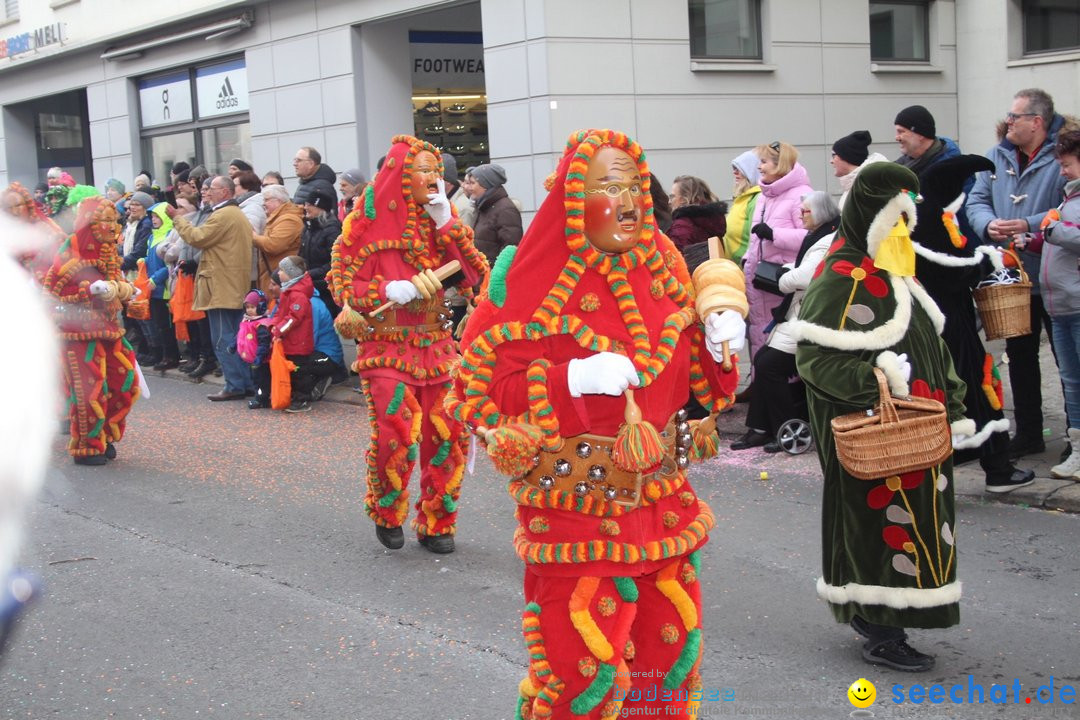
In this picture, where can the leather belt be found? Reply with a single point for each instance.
(392, 322)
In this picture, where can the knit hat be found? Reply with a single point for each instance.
(853, 148)
(141, 181)
(747, 164)
(258, 299)
(290, 267)
(142, 198)
(114, 184)
(320, 198)
(490, 175)
(241, 165)
(918, 120)
(354, 176)
(179, 166)
(450, 173)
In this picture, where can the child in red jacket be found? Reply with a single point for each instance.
(294, 328)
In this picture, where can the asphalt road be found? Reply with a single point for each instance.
(223, 567)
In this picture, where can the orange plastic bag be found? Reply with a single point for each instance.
(280, 377)
(183, 296)
(139, 307)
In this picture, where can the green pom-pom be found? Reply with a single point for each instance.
(80, 192)
(449, 503)
(389, 498)
(497, 284)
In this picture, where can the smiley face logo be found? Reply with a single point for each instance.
(862, 693)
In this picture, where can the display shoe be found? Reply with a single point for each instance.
(391, 537)
(438, 544)
(91, 460)
(1006, 480)
(456, 109)
(432, 108)
(753, 438)
(897, 654)
(110, 451)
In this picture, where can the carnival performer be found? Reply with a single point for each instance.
(19, 203)
(401, 230)
(889, 552)
(593, 303)
(88, 288)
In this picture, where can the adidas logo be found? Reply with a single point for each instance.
(227, 97)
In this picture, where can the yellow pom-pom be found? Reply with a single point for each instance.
(350, 324)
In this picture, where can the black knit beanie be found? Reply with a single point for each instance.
(918, 120)
(853, 148)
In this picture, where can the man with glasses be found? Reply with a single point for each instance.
(223, 279)
(1005, 208)
(312, 173)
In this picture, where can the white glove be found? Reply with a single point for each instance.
(438, 205)
(904, 366)
(897, 371)
(402, 292)
(605, 373)
(724, 326)
(99, 287)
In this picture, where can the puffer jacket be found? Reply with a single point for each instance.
(324, 177)
(738, 223)
(692, 224)
(316, 244)
(1059, 270)
(497, 223)
(778, 206)
(1009, 194)
(156, 267)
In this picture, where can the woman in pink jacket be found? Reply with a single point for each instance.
(777, 232)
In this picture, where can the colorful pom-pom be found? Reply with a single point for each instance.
(512, 447)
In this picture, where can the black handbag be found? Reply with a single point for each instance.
(767, 277)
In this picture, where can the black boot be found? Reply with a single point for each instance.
(439, 544)
(92, 460)
(753, 438)
(391, 537)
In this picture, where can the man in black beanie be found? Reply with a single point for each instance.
(916, 132)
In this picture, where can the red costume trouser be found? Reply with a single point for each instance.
(599, 646)
(409, 423)
(102, 386)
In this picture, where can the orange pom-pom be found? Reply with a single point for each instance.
(513, 447)
(350, 324)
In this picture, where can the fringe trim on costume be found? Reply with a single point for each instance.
(976, 440)
(899, 598)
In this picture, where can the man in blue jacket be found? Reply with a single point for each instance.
(1006, 206)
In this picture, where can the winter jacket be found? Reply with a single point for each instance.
(738, 223)
(326, 339)
(497, 223)
(223, 277)
(1008, 194)
(324, 177)
(156, 268)
(796, 280)
(252, 205)
(294, 307)
(281, 239)
(136, 238)
(942, 149)
(184, 252)
(779, 206)
(1059, 270)
(316, 242)
(692, 224)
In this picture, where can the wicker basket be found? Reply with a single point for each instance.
(1005, 310)
(899, 435)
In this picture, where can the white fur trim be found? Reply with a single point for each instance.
(889, 363)
(928, 304)
(880, 338)
(978, 438)
(955, 204)
(947, 260)
(886, 218)
(899, 598)
(963, 426)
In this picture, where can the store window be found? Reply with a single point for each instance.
(900, 31)
(449, 100)
(1051, 25)
(725, 29)
(11, 10)
(198, 115)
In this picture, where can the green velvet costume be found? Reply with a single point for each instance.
(888, 548)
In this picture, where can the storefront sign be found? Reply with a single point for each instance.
(165, 100)
(31, 41)
(447, 60)
(222, 89)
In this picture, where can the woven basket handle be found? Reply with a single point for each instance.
(1019, 263)
(885, 404)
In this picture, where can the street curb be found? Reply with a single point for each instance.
(341, 393)
(1046, 493)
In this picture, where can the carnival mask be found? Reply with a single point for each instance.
(614, 201)
(424, 178)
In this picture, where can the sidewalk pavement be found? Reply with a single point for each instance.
(1045, 493)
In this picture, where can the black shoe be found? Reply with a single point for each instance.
(256, 404)
(1020, 446)
(771, 447)
(391, 537)
(897, 654)
(167, 364)
(745, 395)
(752, 438)
(89, 460)
(204, 368)
(299, 406)
(439, 544)
(321, 386)
(223, 395)
(189, 365)
(148, 360)
(110, 451)
(218, 372)
(1009, 480)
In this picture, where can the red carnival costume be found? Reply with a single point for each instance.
(405, 355)
(613, 616)
(99, 364)
(19, 203)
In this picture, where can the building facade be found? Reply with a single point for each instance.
(105, 92)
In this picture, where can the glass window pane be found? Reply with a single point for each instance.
(725, 29)
(222, 144)
(898, 31)
(162, 151)
(1051, 25)
(57, 132)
